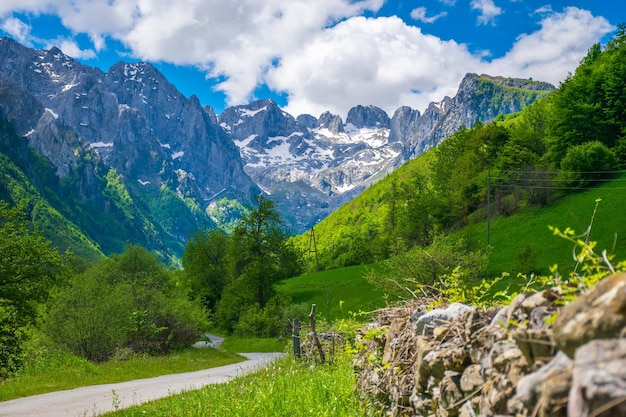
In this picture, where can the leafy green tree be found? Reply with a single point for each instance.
(260, 255)
(90, 317)
(29, 268)
(205, 265)
(586, 163)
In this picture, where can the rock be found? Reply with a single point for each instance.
(543, 298)
(598, 314)
(392, 338)
(599, 379)
(482, 340)
(535, 344)
(471, 380)
(450, 392)
(427, 322)
(529, 387)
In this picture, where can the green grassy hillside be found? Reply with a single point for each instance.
(522, 243)
(337, 293)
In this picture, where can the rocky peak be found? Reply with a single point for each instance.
(306, 120)
(262, 119)
(331, 122)
(367, 116)
(401, 123)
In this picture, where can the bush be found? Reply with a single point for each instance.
(420, 271)
(89, 317)
(127, 301)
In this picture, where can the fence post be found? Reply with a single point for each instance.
(296, 338)
(316, 340)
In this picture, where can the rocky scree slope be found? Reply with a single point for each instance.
(461, 361)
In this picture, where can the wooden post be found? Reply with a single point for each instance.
(316, 340)
(296, 338)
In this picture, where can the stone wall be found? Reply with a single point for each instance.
(460, 361)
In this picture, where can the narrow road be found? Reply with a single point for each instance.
(98, 399)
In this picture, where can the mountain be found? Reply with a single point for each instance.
(127, 141)
(124, 157)
(312, 166)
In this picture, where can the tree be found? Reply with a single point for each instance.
(205, 265)
(586, 163)
(29, 268)
(259, 256)
(260, 251)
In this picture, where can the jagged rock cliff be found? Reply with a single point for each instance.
(132, 120)
(168, 151)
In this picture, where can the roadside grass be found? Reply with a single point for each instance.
(283, 388)
(242, 344)
(55, 371)
(338, 293)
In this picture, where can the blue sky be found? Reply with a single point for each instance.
(313, 56)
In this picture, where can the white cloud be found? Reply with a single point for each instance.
(556, 48)
(17, 29)
(488, 11)
(321, 53)
(236, 40)
(370, 61)
(420, 14)
(71, 48)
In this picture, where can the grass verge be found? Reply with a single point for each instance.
(285, 388)
(60, 371)
(252, 344)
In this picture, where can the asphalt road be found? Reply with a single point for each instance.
(98, 399)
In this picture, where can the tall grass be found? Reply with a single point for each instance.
(284, 388)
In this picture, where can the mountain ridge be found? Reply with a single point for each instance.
(180, 166)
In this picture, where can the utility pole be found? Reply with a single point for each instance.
(312, 249)
(488, 201)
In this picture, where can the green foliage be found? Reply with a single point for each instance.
(29, 269)
(226, 213)
(129, 300)
(88, 317)
(427, 272)
(259, 255)
(585, 163)
(205, 265)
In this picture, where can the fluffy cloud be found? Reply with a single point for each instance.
(419, 14)
(379, 61)
(17, 29)
(323, 54)
(488, 10)
(71, 48)
(556, 48)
